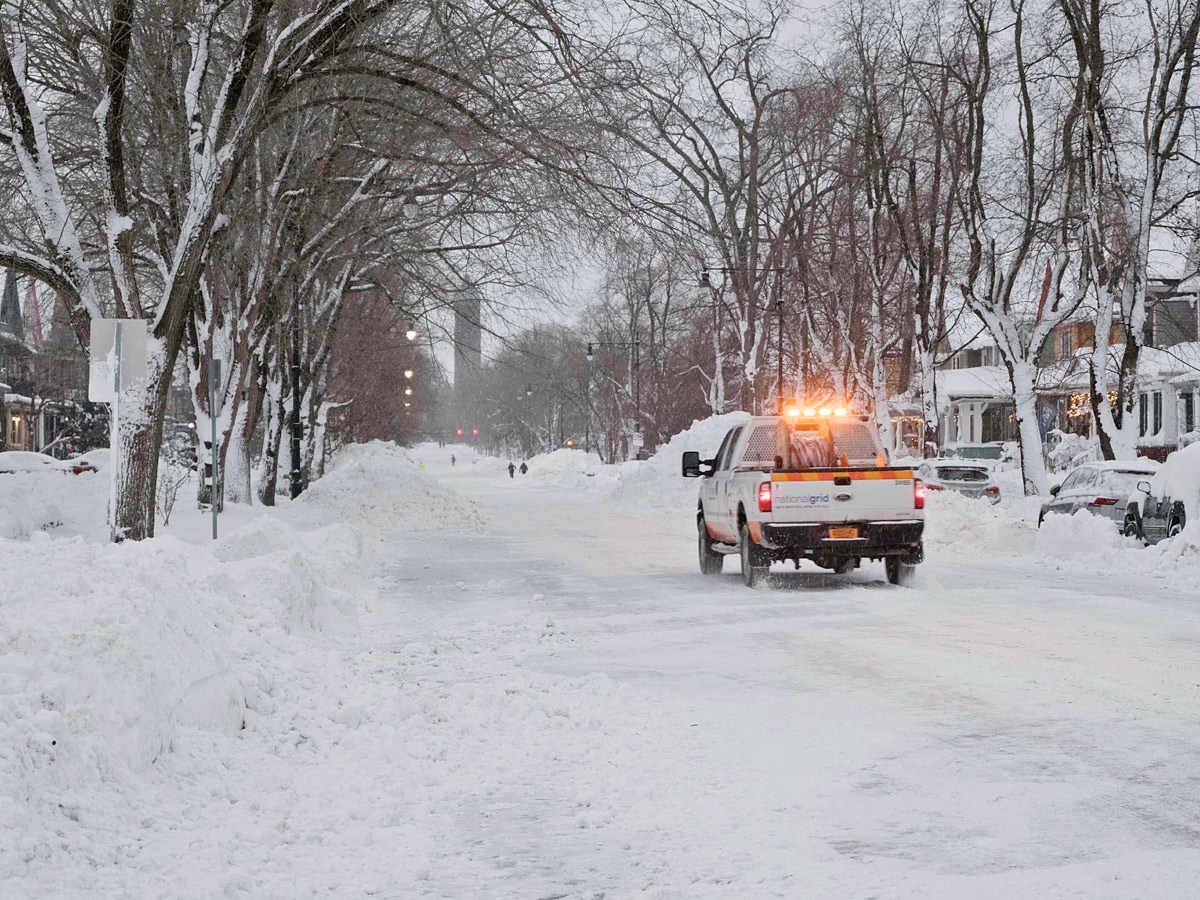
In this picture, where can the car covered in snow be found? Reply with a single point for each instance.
(1158, 508)
(969, 477)
(24, 461)
(92, 461)
(1101, 488)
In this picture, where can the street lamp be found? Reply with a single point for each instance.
(637, 379)
(408, 373)
(408, 392)
(411, 334)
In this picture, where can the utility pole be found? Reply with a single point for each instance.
(294, 476)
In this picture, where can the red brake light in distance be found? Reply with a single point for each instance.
(995, 490)
(918, 494)
(764, 497)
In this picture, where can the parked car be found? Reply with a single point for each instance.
(13, 461)
(969, 477)
(92, 461)
(1158, 508)
(999, 451)
(1101, 488)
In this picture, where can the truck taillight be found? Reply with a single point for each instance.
(764, 497)
(1104, 501)
(918, 494)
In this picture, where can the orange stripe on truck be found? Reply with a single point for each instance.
(865, 475)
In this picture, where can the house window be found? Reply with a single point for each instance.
(1064, 343)
(1143, 414)
(1157, 412)
(1188, 412)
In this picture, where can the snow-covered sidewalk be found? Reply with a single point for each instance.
(532, 693)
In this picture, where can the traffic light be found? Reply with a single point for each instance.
(460, 432)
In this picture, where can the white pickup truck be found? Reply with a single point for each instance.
(807, 487)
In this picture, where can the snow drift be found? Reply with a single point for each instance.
(35, 501)
(657, 481)
(380, 487)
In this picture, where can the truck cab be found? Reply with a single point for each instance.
(807, 485)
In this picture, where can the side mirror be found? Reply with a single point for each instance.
(691, 464)
(1055, 489)
(1144, 487)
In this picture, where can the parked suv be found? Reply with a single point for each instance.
(1158, 508)
(1101, 488)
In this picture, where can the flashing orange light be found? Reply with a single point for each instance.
(792, 411)
(839, 412)
(570, 443)
(810, 412)
(825, 410)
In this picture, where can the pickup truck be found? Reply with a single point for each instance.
(814, 487)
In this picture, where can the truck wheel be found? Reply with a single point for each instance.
(754, 565)
(711, 562)
(898, 573)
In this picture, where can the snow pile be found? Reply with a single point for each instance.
(572, 468)
(1082, 536)
(108, 652)
(955, 524)
(37, 501)
(379, 487)
(657, 481)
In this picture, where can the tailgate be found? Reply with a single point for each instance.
(842, 495)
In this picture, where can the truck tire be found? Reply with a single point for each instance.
(711, 562)
(898, 573)
(754, 562)
(1175, 528)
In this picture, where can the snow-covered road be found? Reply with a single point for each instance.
(558, 705)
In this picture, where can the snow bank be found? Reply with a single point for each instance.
(657, 482)
(1082, 536)
(958, 524)
(379, 487)
(36, 501)
(108, 651)
(572, 468)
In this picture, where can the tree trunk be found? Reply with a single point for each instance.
(268, 470)
(1033, 467)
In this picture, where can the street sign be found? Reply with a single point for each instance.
(103, 358)
(636, 440)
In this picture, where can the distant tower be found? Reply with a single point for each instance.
(11, 319)
(467, 339)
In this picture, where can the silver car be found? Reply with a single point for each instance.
(969, 477)
(1101, 488)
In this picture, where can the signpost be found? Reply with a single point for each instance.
(117, 362)
(214, 410)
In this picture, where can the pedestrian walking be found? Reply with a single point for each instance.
(524, 468)
(452, 459)
(511, 469)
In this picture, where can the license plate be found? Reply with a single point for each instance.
(842, 534)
